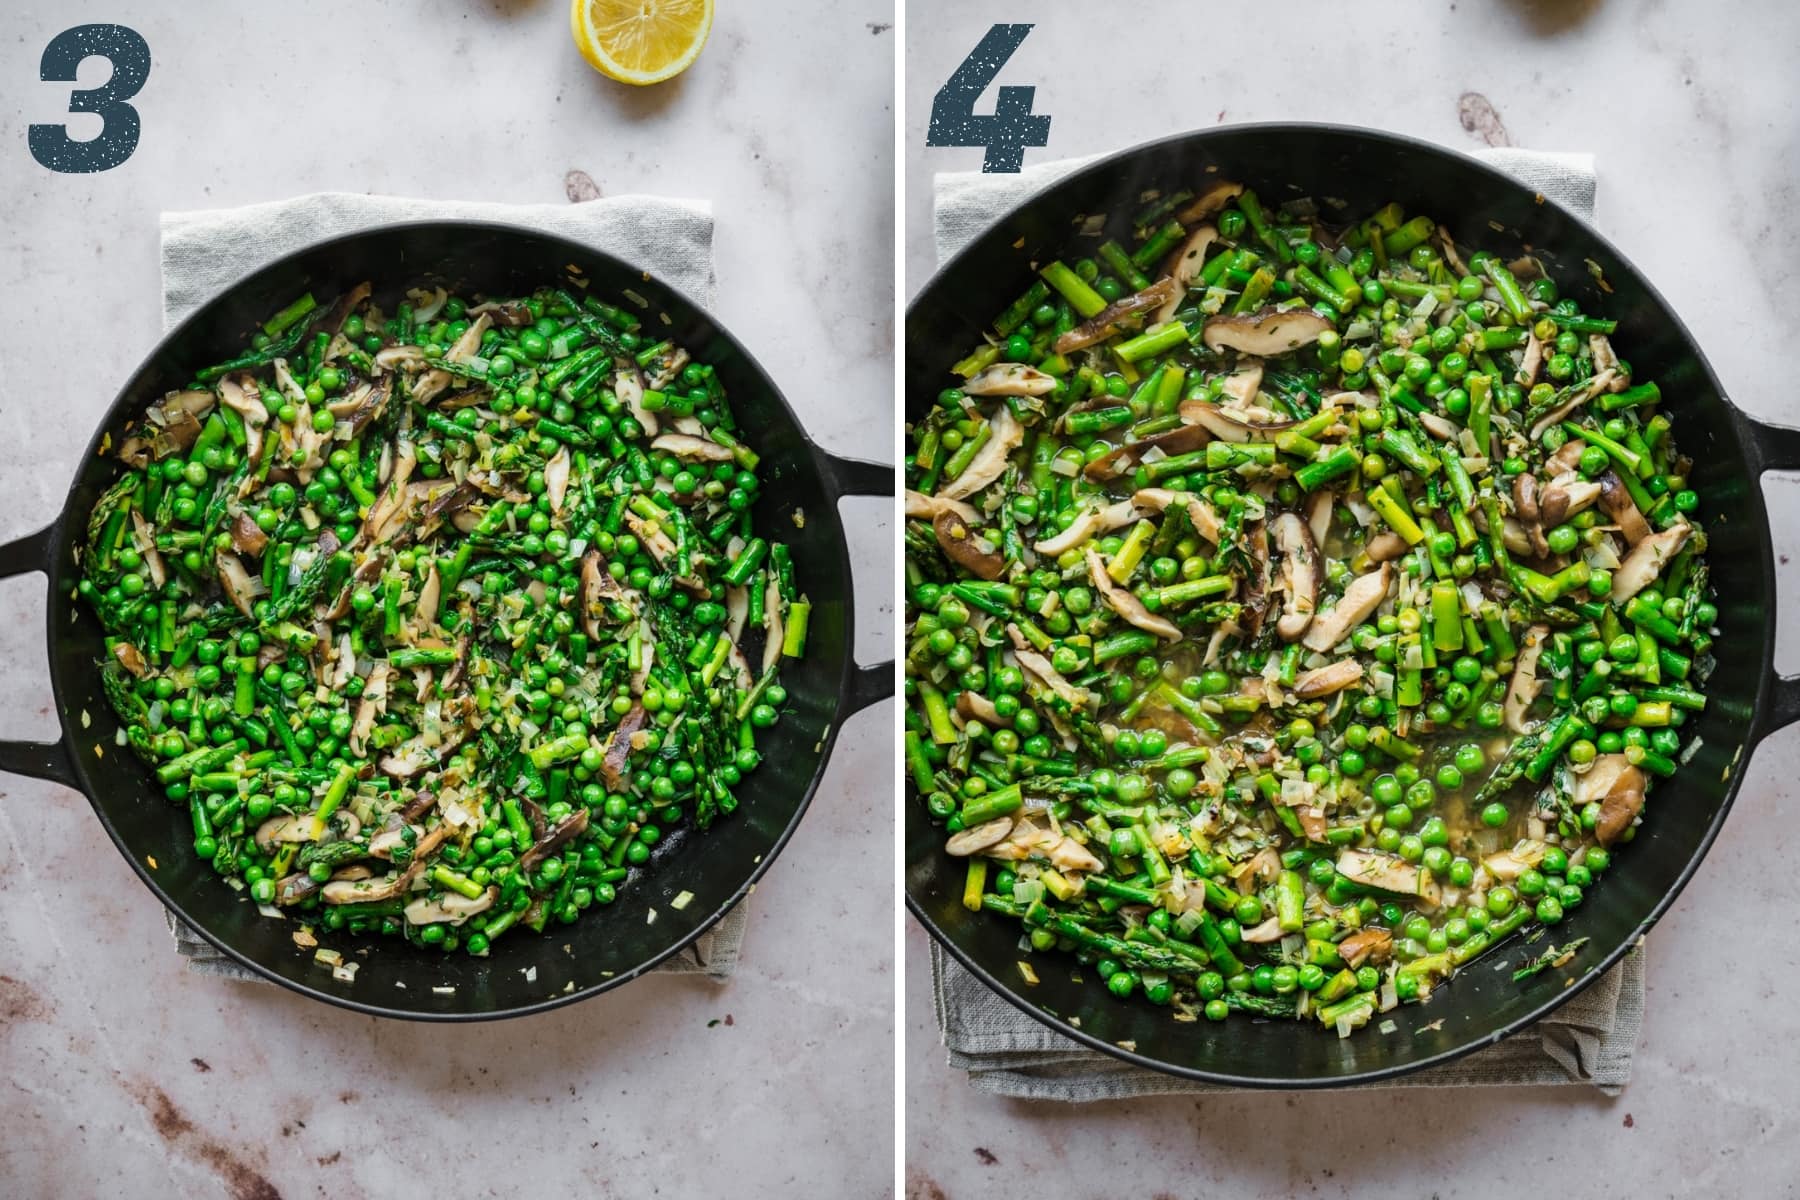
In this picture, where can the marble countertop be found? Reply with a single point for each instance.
(1695, 124)
(123, 1074)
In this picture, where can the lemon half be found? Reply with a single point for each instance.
(640, 41)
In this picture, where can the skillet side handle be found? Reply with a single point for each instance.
(859, 477)
(40, 760)
(1777, 448)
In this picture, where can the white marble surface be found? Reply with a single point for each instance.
(1692, 112)
(122, 1075)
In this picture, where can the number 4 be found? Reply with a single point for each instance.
(1013, 125)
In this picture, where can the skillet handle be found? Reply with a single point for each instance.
(859, 477)
(1777, 448)
(40, 760)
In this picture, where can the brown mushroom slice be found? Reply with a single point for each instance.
(1619, 788)
(431, 594)
(421, 804)
(1036, 664)
(1108, 321)
(131, 658)
(598, 591)
(1447, 244)
(247, 537)
(451, 908)
(1227, 425)
(417, 753)
(1646, 559)
(298, 828)
(974, 840)
(1093, 523)
(1359, 601)
(1524, 686)
(392, 837)
(390, 357)
(1266, 334)
(466, 346)
(774, 627)
(668, 367)
(918, 504)
(240, 394)
(1606, 362)
(1602, 382)
(1508, 865)
(1441, 428)
(368, 891)
(1183, 267)
(976, 707)
(1244, 383)
(618, 746)
(1568, 458)
(628, 386)
(1120, 459)
(1525, 506)
(1209, 201)
(692, 449)
(240, 589)
(1385, 547)
(365, 403)
(510, 313)
(1009, 379)
(1565, 496)
(1028, 839)
(554, 838)
(294, 889)
(1201, 515)
(662, 549)
(1617, 501)
(1259, 580)
(442, 502)
(1300, 573)
(556, 478)
(1387, 872)
(961, 547)
(143, 536)
(370, 705)
(1366, 945)
(1261, 934)
(1128, 606)
(1333, 677)
(1261, 867)
(1531, 363)
(989, 462)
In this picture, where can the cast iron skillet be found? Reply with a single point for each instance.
(603, 949)
(1731, 451)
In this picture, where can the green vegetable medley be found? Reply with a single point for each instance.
(438, 622)
(1295, 609)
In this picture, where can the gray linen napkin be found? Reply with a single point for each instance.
(206, 251)
(1590, 1040)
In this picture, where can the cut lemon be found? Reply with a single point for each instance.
(640, 41)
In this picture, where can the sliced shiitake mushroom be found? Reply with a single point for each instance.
(961, 547)
(1267, 333)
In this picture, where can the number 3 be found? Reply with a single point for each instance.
(129, 54)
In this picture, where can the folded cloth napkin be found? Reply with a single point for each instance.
(206, 251)
(1590, 1040)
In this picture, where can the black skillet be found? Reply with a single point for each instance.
(528, 973)
(1748, 700)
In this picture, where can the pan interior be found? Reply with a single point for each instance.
(1353, 172)
(606, 946)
